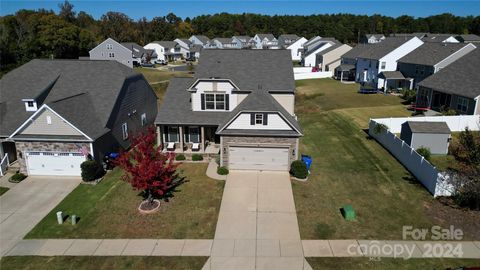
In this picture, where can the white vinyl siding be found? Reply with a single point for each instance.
(274, 122)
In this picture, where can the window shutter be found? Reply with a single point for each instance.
(265, 119)
(227, 102)
(202, 97)
(252, 119)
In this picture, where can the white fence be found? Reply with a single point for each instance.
(426, 173)
(455, 123)
(312, 75)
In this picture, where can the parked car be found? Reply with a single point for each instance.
(148, 65)
(161, 62)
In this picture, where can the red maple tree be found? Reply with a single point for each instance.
(147, 168)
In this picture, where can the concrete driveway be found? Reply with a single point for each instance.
(25, 204)
(257, 226)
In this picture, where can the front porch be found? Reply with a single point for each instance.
(189, 139)
(394, 81)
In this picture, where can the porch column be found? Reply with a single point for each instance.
(202, 139)
(159, 136)
(385, 86)
(341, 76)
(411, 84)
(180, 139)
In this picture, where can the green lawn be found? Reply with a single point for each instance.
(350, 168)
(388, 263)
(109, 210)
(155, 75)
(3, 190)
(87, 263)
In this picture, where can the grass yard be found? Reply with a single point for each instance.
(3, 190)
(350, 168)
(109, 210)
(388, 263)
(87, 263)
(154, 75)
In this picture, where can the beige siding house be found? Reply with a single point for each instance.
(330, 59)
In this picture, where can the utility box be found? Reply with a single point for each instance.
(432, 135)
(348, 213)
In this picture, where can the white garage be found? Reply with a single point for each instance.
(258, 158)
(54, 163)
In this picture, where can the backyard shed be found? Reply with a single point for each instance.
(432, 135)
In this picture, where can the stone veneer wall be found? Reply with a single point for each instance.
(258, 142)
(23, 147)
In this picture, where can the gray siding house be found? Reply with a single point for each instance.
(56, 113)
(456, 87)
(432, 135)
(239, 105)
(110, 49)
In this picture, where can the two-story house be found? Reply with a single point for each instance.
(383, 57)
(199, 40)
(293, 43)
(330, 58)
(264, 41)
(346, 70)
(56, 113)
(239, 105)
(221, 43)
(166, 50)
(310, 57)
(457, 86)
(242, 42)
(430, 58)
(128, 53)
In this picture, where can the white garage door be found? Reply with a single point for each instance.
(258, 158)
(54, 163)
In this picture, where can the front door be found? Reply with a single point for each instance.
(10, 150)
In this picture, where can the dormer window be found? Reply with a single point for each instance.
(215, 102)
(30, 105)
(259, 119)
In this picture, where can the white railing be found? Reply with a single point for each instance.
(434, 181)
(4, 165)
(456, 123)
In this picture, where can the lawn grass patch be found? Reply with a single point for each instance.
(154, 75)
(3, 190)
(109, 210)
(110, 262)
(388, 263)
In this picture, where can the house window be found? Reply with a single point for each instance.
(462, 104)
(109, 46)
(30, 104)
(383, 65)
(49, 120)
(258, 119)
(172, 134)
(125, 131)
(193, 135)
(111, 55)
(144, 119)
(215, 101)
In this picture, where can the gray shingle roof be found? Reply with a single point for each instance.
(83, 92)
(459, 78)
(428, 127)
(357, 51)
(331, 48)
(203, 39)
(166, 44)
(436, 37)
(268, 36)
(137, 50)
(392, 75)
(468, 38)
(249, 69)
(243, 38)
(177, 108)
(223, 40)
(379, 50)
(430, 53)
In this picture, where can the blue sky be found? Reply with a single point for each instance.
(149, 9)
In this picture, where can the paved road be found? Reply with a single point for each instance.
(257, 226)
(25, 204)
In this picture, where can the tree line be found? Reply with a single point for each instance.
(29, 34)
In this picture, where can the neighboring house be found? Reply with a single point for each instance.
(310, 57)
(419, 35)
(432, 135)
(110, 49)
(55, 113)
(372, 38)
(184, 45)
(471, 38)
(240, 105)
(165, 50)
(195, 51)
(456, 86)
(383, 56)
(264, 41)
(311, 43)
(430, 58)
(295, 46)
(445, 38)
(139, 54)
(199, 40)
(348, 61)
(222, 43)
(330, 58)
(242, 42)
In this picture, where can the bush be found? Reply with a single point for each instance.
(91, 170)
(197, 157)
(180, 157)
(222, 170)
(299, 169)
(425, 152)
(379, 128)
(18, 177)
(409, 95)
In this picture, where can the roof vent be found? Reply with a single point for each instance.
(259, 87)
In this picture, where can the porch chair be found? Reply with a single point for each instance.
(195, 147)
(171, 146)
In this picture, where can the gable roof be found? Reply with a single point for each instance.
(260, 101)
(271, 70)
(431, 53)
(428, 127)
(137, 50)
(437, 37)
(202, 38)
(356, 51)
(313, 39)
(392, 75)
(468, 38)
(83, 92)
(331, 48)
(166, 44)
(379, 50)
(243, 38)
(376, 36)
(321, 43)
(459, 78)
(223, 40)
(267, 36)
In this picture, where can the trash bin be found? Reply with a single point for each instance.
(74, 219)
(60, 217)
(307, 160)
